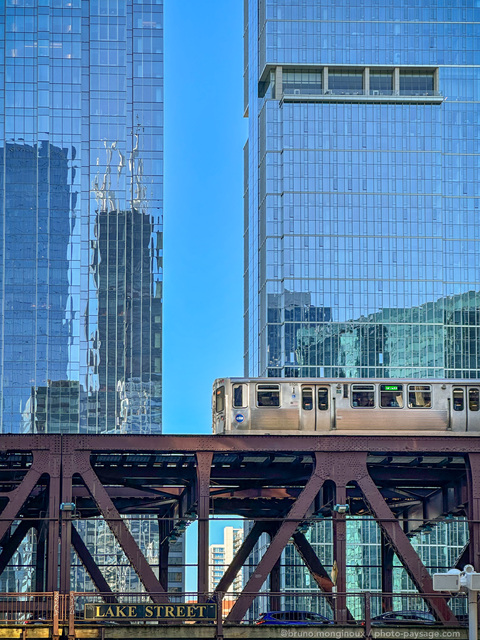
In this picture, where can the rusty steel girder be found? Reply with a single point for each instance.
(275, 481)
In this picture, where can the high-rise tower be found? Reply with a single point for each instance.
(81, 189)
(362, 208)
(81, 157)
(363, 197)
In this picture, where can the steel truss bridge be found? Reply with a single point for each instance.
(278, 482)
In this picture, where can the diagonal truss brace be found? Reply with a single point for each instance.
(401, 544)
(91, 566)
(13, 542)
(280, 540)
(18, 497)
(121, 532)
(312, 562)
(240, 557)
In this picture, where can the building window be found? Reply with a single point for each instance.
(416, 83)
(381, 83)
(345, 82)
(302, 81)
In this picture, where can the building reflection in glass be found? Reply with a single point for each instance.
(81, 202)
(438, 339)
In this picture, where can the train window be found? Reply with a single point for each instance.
(239, 396)
(458, 400)
(323, 399)
(419, 396)
(307, 398)
(473, 399)
(363, 395)
(220, 399)
(391, 396)
(268, 395)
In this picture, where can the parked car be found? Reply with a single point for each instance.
(293, 617)
(404, 617)
(36, 620)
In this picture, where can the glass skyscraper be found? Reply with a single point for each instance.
(363, 196)
(81, 172)
(362, 210)
(81, 189)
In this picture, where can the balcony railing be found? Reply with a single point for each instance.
(299, 93)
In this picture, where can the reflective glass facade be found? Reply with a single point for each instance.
(81, 176)
(362, 195)
(81, 188)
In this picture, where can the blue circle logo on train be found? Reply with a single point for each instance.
(239, 417)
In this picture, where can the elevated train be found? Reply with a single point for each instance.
(295, 406)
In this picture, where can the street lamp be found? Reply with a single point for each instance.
(467, 581)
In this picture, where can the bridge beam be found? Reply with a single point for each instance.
(287, 528)
(120, 530)
(387, 572)
(312, 562)
(204, 465)
(90, 565)
(13, 542)
(473, 480)
(401, 544)
(241, 556)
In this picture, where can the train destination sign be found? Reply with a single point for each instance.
(142, 611)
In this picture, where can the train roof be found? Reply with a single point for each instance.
(457, 381)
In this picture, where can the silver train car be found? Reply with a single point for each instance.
(293, 406)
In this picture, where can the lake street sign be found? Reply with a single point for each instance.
(142, 611)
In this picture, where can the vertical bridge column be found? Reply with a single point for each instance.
(66, 519)
(340, 551)
(204, 465)
(474, 509)
(387, 571)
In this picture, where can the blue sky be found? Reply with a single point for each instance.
(203, 234)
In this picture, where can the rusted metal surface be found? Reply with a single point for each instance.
(312, 562)
(13, 542)
(119, 529)
(473, 479)
(241, 556)
(294, 517)
(204, 464)
(448, 443)
(401, 544)
(275, 481)
(387, 572)
(90, 565)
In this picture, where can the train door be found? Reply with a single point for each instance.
(457, 409)
(315, 408)
(472, 402)
(464, 408)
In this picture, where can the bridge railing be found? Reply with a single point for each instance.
(30, 608)
(357, 608)
(352, 608)
(75, 609)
